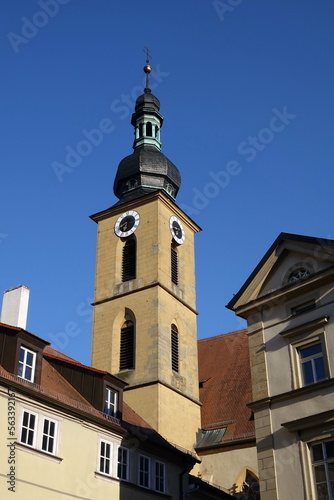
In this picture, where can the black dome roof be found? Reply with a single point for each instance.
(146, 169)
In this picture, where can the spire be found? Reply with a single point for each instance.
(147, 69)
(146, 119)
(147, 169)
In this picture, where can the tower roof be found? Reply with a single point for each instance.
(147, 169)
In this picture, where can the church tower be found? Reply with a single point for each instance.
(145, 299)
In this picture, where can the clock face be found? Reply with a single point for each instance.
(127, 223)
(177, 230)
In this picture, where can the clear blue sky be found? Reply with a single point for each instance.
(246, 89)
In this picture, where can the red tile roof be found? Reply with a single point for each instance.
(225, 384)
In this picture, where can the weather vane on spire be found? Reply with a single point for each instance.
(147, 67)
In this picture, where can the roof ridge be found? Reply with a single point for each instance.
(223, 335)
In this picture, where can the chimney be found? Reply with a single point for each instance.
(15, 306)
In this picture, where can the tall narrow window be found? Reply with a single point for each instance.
(110, 402)
(129, 260)
(144, 471)
(123, 464)
(28, 430)
(175, 348)
(160, 477)
(127, 346)
(27, 362)
(174, 265)
(105, 457)
(149, 129)
(48, 436)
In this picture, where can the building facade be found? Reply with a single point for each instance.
(66, 432)
(288, 302)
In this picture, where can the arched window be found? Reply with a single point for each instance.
(175, 348)
(174, 265)
(148, 129)
(129, 260)
(127, 346)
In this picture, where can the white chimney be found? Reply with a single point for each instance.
(15, 306)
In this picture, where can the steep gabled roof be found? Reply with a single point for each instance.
(225, 385)
(311, 247)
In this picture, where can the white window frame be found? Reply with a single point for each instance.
(38, 432)
(159, 477)
(311, 359)
(145, 471)
(34, 429)
(108, 404)
(110, 458)
(48, 436)
(25, 365)
(122, 464)
(325, 461)
(303, 336)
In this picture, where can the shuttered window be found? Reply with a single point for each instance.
(129, 260)
(175, 348)
(126, 361)
(174, 266)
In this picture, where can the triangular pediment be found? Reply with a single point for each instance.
(291, 260)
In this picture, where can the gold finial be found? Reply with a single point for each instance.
(147, 67)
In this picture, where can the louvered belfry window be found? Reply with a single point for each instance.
(174, 265)
(129, 260)
(126, 360)
(175, 348)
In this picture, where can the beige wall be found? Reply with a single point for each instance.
(227, 469)
(175, 417)
(154, 303)
(71, 473)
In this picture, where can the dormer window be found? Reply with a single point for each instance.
(110, 402)
(27, 362)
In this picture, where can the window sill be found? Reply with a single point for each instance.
(35, 451)
(106, 477)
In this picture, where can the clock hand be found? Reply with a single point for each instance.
(123, 226)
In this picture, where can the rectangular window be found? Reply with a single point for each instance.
(105, 457)
(39, 432)
(175, 348)
(312, 364)
(27, 360)
(126, 360)
(28, 429)
(123, 464)
(48, 435)
(322, 455)
(305, 306)
(110, 402)
(174, 266)
(144, 471)
(160, 477)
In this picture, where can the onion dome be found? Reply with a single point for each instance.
(147, 169)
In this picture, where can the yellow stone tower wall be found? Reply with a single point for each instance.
(160, 395)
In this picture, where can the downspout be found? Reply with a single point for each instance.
(188, 468)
